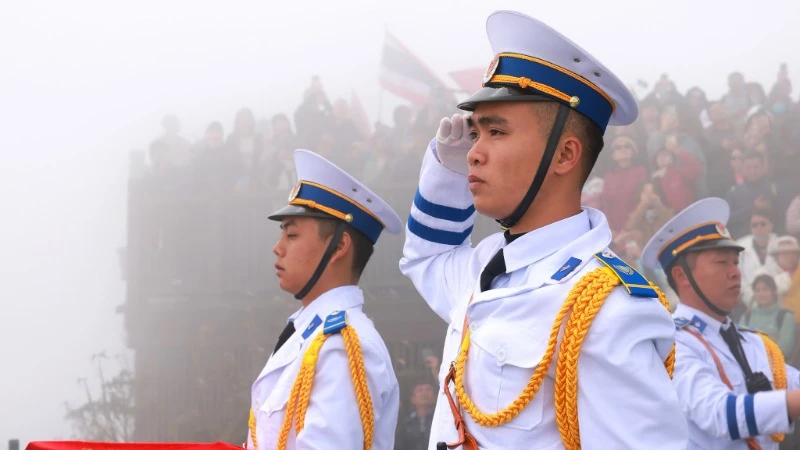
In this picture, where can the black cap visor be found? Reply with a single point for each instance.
(502, 94)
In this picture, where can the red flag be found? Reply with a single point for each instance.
(84, 445)
(468, 80)
(359, 115)
(405, 75)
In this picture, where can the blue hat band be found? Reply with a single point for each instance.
(338, 205)
(532, 74)
(704, 232)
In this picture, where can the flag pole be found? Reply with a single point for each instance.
(380, 87)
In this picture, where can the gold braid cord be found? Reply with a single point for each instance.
(777, 365)
(252, 425)
(300, 395)
(584, 301)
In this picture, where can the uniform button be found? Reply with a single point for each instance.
(501, 355)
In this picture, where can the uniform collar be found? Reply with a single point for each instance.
(700, 320)
(337, 299)
(543, 242)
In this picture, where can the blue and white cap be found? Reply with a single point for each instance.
(533, 62)
(324, 190)
(701, 226)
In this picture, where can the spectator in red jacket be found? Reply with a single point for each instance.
(676, 173)
(622, 183)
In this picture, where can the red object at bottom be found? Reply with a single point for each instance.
(84, 445)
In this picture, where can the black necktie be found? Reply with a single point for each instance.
(285, 335)
(496, 266)
(734, 341)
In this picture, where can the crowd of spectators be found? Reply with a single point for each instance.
(743, 147)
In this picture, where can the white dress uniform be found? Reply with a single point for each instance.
(333, 419)
(720, 416)
(625, 398)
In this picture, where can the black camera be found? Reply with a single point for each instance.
(757, 382)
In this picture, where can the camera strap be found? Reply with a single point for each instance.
(714, 356)
(731, 337)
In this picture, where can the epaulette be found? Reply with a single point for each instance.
(635, 283)
(681, 322)
(315, 322)
(335, 322)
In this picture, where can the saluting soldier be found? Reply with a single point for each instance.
(553, 341)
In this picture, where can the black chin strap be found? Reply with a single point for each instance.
(696, 288)
(326, 257)
(541, 172)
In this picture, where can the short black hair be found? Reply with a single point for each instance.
(590, 135)
(689, 261)
(766, 279)
(764, 212)
(362, 246)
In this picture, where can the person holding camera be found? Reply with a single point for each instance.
(734, 386)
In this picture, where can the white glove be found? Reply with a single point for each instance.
(453, 143)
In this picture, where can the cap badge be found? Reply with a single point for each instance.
(723, 231)
(491, 69)
(295, 191)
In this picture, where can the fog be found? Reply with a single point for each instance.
(84, 82)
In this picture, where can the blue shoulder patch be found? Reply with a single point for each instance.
(636, 284)
(315, 322)
(699, 323)
(335, 322)
(566, 269)
(681, 322)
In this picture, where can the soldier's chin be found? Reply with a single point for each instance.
(287, 286)
(489, 208)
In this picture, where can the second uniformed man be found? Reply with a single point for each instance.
(732, 382)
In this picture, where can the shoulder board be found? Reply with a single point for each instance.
(316, 322)
(335, 322)
(636, 284)
(681, 322)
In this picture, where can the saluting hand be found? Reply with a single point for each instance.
(453, 143)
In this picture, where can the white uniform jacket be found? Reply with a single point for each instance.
(718, 417)
(625, 399)
(333, 419)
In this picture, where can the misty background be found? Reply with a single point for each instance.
(82, 83)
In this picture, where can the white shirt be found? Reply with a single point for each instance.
(625, 397)
(716, 414)
(333, 419)
(750, 265)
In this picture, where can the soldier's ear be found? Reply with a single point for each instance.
(569, 154)
(342, 247)
(678, 274)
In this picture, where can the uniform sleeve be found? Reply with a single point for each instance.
(715, 409)
(333, 419)
(792, 378)
(437, 247)
(625, 396)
